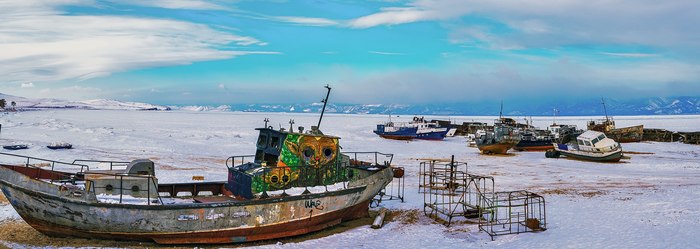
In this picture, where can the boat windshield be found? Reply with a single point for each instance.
(595, 140)
(601, 137)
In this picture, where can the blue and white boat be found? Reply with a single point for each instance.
(416, 129)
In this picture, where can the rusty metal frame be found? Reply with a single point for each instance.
(445, 188)
(513, 212)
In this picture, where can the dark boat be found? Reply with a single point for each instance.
(532, 141)
(59, 146)
(590, 146)
(15, 147)
(418, 128)
(296, 183)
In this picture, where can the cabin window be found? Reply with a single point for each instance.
(587, 143)
(601, 137)
(275, 142)
(262, 140)
(580, 142)
(595, 140)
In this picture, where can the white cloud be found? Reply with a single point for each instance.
(309, 21)
(27, 85)
(175, 4)
(385, 53)
(222, 86)
(632, 55)
(41, 43)
(545, 23)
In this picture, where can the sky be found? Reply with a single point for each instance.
(183, 52)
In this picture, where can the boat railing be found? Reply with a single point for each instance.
(233, 160)
(301, 179)
(377, 157)
(112, 164)
(151, 182)
(29, 162)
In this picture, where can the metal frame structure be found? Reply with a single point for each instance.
(513, 212)
(445, 191)
(396, 188)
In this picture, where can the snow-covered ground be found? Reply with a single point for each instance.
(648, 201)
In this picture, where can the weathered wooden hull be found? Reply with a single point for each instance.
(630, 134)
(49, 210)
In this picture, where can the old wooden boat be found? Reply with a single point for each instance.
(630, 134)
(590, 146)
(296, 183)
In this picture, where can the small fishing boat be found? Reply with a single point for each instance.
(15, 147)
(59, 146)
(418, 128)
(590, 146)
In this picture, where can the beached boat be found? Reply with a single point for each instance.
(59, 146)
(630, 134)
(418, 128)
(532, 140)
(296, 183)
(503, 137)
(590, 146)
(15, 147)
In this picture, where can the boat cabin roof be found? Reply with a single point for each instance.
(307, 133)
(590, 135)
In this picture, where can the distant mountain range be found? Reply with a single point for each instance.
(95, 104)
(592, 107)
(646, 106)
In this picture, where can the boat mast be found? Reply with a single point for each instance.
(555, 116)
(602, 100)
(325, 101)
(500, 114)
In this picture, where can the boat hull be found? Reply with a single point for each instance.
(533, 147)
(497, 148)
(630, 134)
(44, 207)
(613, 156)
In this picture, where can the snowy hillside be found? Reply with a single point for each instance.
(95, 104)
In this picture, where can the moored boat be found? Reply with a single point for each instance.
(418, 128)
(590, 146)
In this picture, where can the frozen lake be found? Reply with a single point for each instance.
(649, 201)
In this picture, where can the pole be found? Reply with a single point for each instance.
(602, 100)
(325, 101)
